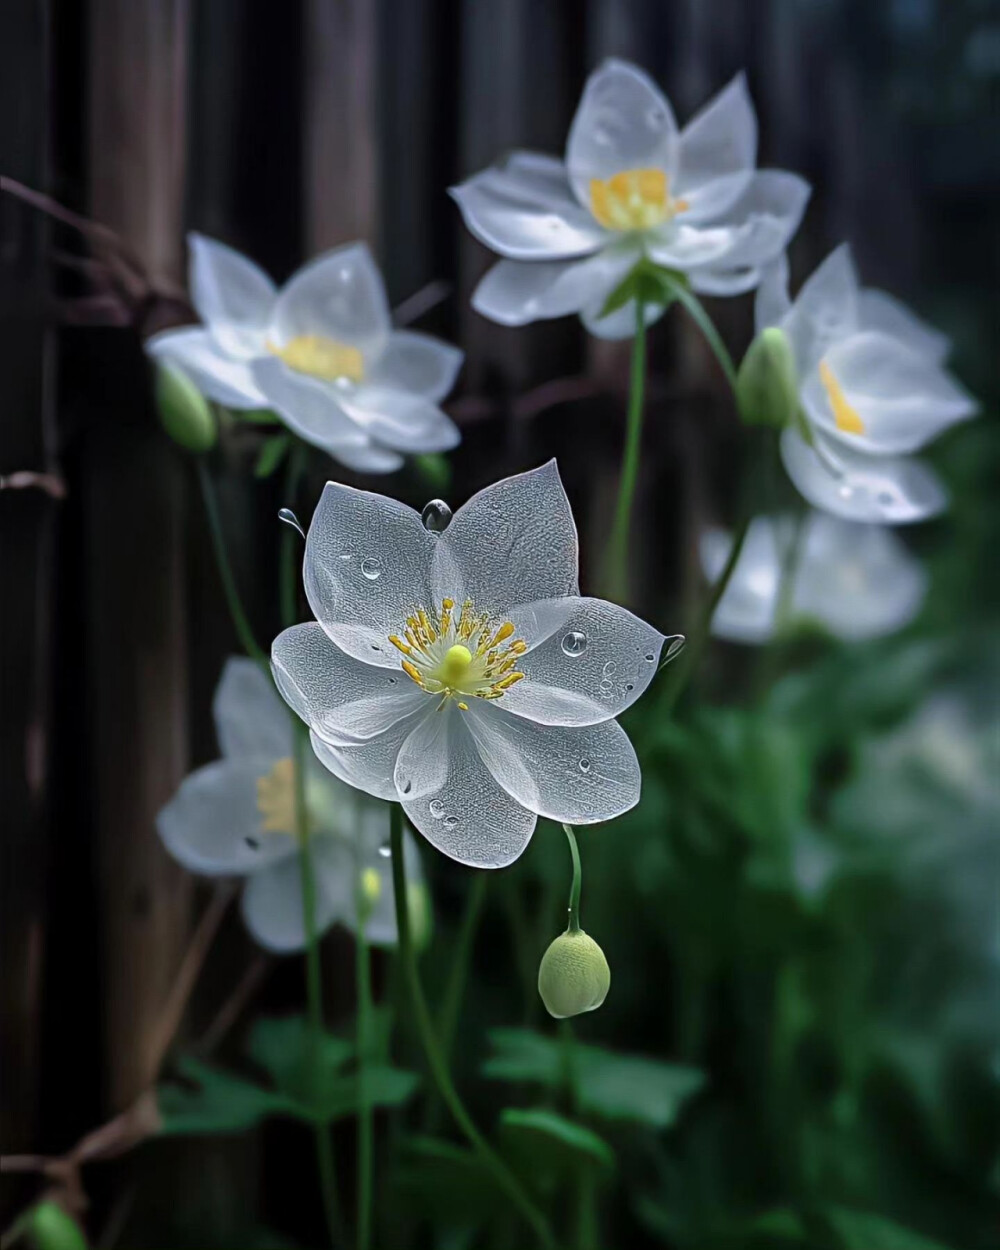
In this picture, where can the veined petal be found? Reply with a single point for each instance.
(471, 818)
(339, 697)
(400, 420)
(878, 310)
(619, 324)
(678, 246)
(513, 542)
(272, 901)
(213, 826)
(746, 611)
(418, 363)
(826, 309)
(581, 775)
(718, 152)
(514, 293)
(897, 401)
(594, 664)
(367, 457)
(368, 765)
(623, 122)
(339, 296)
(309, 407)
(250, 719)
(894, 490)
(231, 294)
(773, 301)
(725, 282)
(422, 764)
(763, 220)
(367, 565)
(219, 377)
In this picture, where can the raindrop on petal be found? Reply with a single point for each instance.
(574, 643)
(585, 766)
(436, 516)
(450, 822)
(436, 808)
(289, 518)
(371, 569)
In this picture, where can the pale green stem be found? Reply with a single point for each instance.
(503, 1176)
(577, 885)
(366, 1139)
(704, 322)
(616, 571)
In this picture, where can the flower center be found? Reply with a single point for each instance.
(453, 654)
(276, 798)
(844, 414)
(321, 357)
(634, 199)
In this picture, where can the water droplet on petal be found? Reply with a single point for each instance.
(252, 843)
(371, 569)
(585, 766)
(436, 516)
(406, 787)
(436, 808)
(289, 518)
(347, 555)
(674, 646)
(450, 822)
(650, 656)
(845, 492)
(574, 643)
(609, 669)
(385, 850)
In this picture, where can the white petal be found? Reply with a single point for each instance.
(400, 420)
(621, 323)
(231, 294)
(367, 565)
(309, 407)
(250, 719)
(677, 246)
(272, 900)
(746, 611)
(824, 310)
(578, 775)
(422, 764)
(339, 295)
(339, 697)
(763, 220)
(514, 293)
(523, 208)
(219, 377)
(471, 818)
(725, 282)
(877, 310)
(903, 400)
(889, 490)
(213, 826)
(623, 122)
(772, 302)
(380, 927)
(367, 457)
(512, 543)
(595, 663)
(419, 363)
(368, 765)
(718, 151)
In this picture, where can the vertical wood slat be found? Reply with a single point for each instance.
(136, 643)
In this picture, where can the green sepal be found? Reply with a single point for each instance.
(646, 282)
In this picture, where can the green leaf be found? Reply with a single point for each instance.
(435, 471)
(555, 1140)
(283, 1048)
(861, 1230)
(49, 1227)
(272, 452)
(384, 1087)
(216, 1102)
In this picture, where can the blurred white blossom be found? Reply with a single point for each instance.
(321, 352)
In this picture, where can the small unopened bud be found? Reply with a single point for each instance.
(573, 976)
(51, 1228)
(421, 917)
(767, 389)
(184, 412)
(371, 886)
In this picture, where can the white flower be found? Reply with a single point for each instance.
(631, 185)
(873, 389)
(236, 817)
(461, 673)
(321, 352)
(858, 581)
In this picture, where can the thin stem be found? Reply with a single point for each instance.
(288, 590)
(617, 554)
(240, 620)
(435, 1059)
(574, 890)
(366, 1139)
(684, 295)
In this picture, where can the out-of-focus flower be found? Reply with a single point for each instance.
(573, 976)
(236, 817)
(459, 671)
(632, 186)
(321, 352)
(873, 389)
(858, 581)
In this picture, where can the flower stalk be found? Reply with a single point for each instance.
(618, 547)
(366, 1139)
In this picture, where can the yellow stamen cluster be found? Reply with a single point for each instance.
(321, 357)
(276, 798)
(635, 199)
(844, 414)
(463, 653)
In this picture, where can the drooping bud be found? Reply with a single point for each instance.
(51, 1228)
(767, 385)
(573, 976)
(184, 412)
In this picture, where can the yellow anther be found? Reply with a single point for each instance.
(505, 631)
(411, 670)
(505, 683)
(426, 625)
(398, 642)
(463, 706)
(518, 646)
(321, 357)
(276, 798)
(844, 414)
(634, 199)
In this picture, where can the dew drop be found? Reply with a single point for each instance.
(371, 569)
(436, 516)
(650, 657)
(406, 787)
(436, 808)
(347, 555)
(289, 518)
(609, 669)
(574, 643)
(385, 850)
(845, 492)
(450, 822)
(376, 647)
(629, 687)
(392, 681)
(585, 766)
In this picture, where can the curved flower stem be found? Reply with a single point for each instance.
(574, 891)
(617, 554)
(436, 1060)
(366, 1140)
(696, 311)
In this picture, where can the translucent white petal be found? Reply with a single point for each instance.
(339, 697)
(621, 323)
(623, 122)
(272, 899)
(368, 765)
(773, 301)
(763, 220)
(902, 399)
(725, 282)
(679, 246)
(718, 151)
(512, 543)
(231, 294)
(250, 718)
(523, 208)
(367, 565)
(894, 490)
(339, 295)
(746, 611)
(213, 826)
(824, 310)
(514, 293)
(219, 377)
(471, 818)
(877, 310)
(368, 457)
(400, 420)
(593, 665)
(380, 927)
(580, 775)
(422, 763)
(418, 363)
(309, 407)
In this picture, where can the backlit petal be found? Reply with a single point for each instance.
(514, 293)
(220, 377)
(419, 363)
(231, 294)
(250, 718)
(400, 420)
(309, 407)
(718, 151)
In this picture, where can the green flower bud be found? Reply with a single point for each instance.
(184, 412)
(573, 976)
(767, 389)
(51, 1228)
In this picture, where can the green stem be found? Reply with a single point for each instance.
(618, 552)
(239, 617)
(574, 890)
(289, 587)
(684, 295)
(366, 1139)
(435, 1059)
